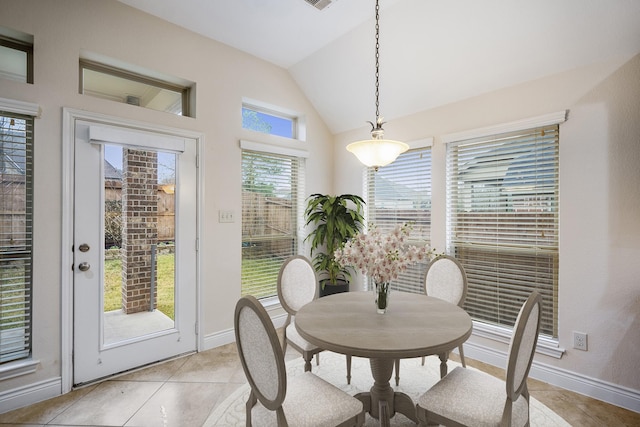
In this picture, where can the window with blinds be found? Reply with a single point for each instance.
(399, 193)
(271, 211)
(502, 222)
(16, 217)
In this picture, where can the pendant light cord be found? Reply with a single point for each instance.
(377, 63)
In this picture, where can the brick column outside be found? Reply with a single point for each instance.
(139, 228)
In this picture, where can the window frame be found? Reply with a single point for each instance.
(405, 162)
(112, 71)
(22, 46)
(547, 344)
(297, 157)
(296, 120)
(27, 364)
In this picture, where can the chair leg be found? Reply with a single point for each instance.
(250, 404)
(348, 369)
(464, 365)
(397, 365)
(307, 361)
(423, 360)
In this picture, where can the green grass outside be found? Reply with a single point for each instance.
(254, 274)
(165, 283)
(14, 296)
(257, 272)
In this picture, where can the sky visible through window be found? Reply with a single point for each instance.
(267, 123)
(166, 163)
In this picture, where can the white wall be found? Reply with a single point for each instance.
(223, 77)
(599, 203)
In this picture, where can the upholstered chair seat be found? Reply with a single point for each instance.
(297, 341)
(481, 404)
(310, 401)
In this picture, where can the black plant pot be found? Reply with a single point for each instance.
(326, 288)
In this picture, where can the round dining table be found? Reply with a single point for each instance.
(414, 325)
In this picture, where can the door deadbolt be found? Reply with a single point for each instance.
(84, 247)
(84, 266)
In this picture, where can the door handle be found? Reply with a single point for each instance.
(84, 266)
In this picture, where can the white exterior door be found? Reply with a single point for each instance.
(134, 249)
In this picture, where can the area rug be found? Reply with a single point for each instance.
(415, 379)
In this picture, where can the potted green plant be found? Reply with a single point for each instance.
(335, 219)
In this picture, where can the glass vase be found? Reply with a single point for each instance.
(382, 297)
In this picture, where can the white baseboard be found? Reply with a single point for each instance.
(592, 387)
(30, 394)
(228, 336)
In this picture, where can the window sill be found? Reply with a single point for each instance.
(18, 368)
(270, 303)
(547, 346)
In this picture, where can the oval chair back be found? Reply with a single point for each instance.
(260, 353)
(297, 284)
(523, 345)
(446, 279)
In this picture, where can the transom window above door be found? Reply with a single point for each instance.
(123, 85)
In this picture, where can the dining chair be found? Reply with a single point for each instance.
(468, 397)
(301, 400)
(297, 286)
(445, 279)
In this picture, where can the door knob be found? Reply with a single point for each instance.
(84, 266)
(83, 247)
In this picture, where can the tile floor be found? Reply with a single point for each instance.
(190, 387)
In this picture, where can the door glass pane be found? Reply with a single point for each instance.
(139, 232)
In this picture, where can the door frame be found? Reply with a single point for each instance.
(69, 118)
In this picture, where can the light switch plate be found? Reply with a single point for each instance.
(226, 216)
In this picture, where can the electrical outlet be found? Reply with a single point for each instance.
(580, 340)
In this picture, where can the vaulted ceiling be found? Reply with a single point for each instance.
(432, 52)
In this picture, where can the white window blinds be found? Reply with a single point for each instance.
(502, 217)
(271, 211)
(399, 193)
(16, 241)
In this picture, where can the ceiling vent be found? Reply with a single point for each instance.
(319, 4)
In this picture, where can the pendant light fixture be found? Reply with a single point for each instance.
(377, 151)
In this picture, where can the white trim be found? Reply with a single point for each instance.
(66, 291)
(29, 394)
(69, 117)
(270, 108)
(547, 346)
(228, 336)
(23, 366)
(101, 134)
(532, 122)
(420, 143)
(200, 164)
(285, 150)
(20, 107)
(18, 368)
(592, 387)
